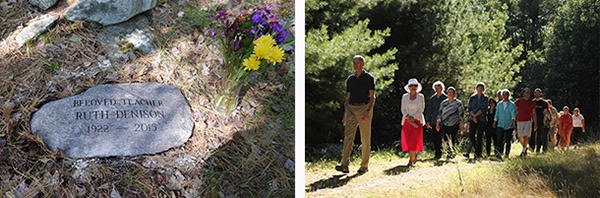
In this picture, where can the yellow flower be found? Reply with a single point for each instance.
(275, 55)
(262, 50)
(251, 63)
(265, 40)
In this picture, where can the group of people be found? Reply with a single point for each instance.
(536, 122)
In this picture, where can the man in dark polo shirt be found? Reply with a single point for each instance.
(360, 87)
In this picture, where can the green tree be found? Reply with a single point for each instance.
(474, 48)
(567, 67)
(526, 26)
(335, 14)
(329, 63)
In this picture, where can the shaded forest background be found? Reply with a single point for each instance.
(513, 44)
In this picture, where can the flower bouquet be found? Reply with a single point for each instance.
(250, 41)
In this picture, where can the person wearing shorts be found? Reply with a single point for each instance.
(525, 114)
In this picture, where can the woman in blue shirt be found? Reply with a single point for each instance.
(504, 120)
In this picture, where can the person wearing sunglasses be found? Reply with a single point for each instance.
(413, 120)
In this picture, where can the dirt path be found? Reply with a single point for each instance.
(383, 178)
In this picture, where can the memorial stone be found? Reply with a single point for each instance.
(116, 120)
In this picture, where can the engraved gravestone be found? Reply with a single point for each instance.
(115, 120)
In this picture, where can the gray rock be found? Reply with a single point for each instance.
(108, 12)
(116, 120)
(289, 164)
(35, 28)
(43, 4)
(114, 193)
(135, 31)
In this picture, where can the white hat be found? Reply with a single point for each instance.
(413, 81)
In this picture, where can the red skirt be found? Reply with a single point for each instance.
(412, 138)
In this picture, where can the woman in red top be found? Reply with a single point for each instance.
(565, 126)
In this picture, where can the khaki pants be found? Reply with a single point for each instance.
(354, 116)
(551, 138)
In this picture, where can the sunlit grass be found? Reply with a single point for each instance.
(573, 173)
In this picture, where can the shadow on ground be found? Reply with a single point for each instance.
(397, 170)
(334, 181)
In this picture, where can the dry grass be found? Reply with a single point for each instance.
(243, 155)
(556, 174)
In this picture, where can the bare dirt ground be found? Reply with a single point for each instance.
(393, 177)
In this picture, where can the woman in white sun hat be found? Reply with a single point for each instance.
(413, 105)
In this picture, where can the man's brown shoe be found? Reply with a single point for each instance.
(343, 169)
(362, 170)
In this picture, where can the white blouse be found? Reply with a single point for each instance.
(577, 120)
(413, 108)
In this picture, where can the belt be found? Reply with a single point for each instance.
(358, 103)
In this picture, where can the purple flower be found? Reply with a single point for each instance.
(257, 18)
(280, 36)
(213, 34)
(266, 9)
(279, 33)
(253, 31)
(277, 28)
(221, 15)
